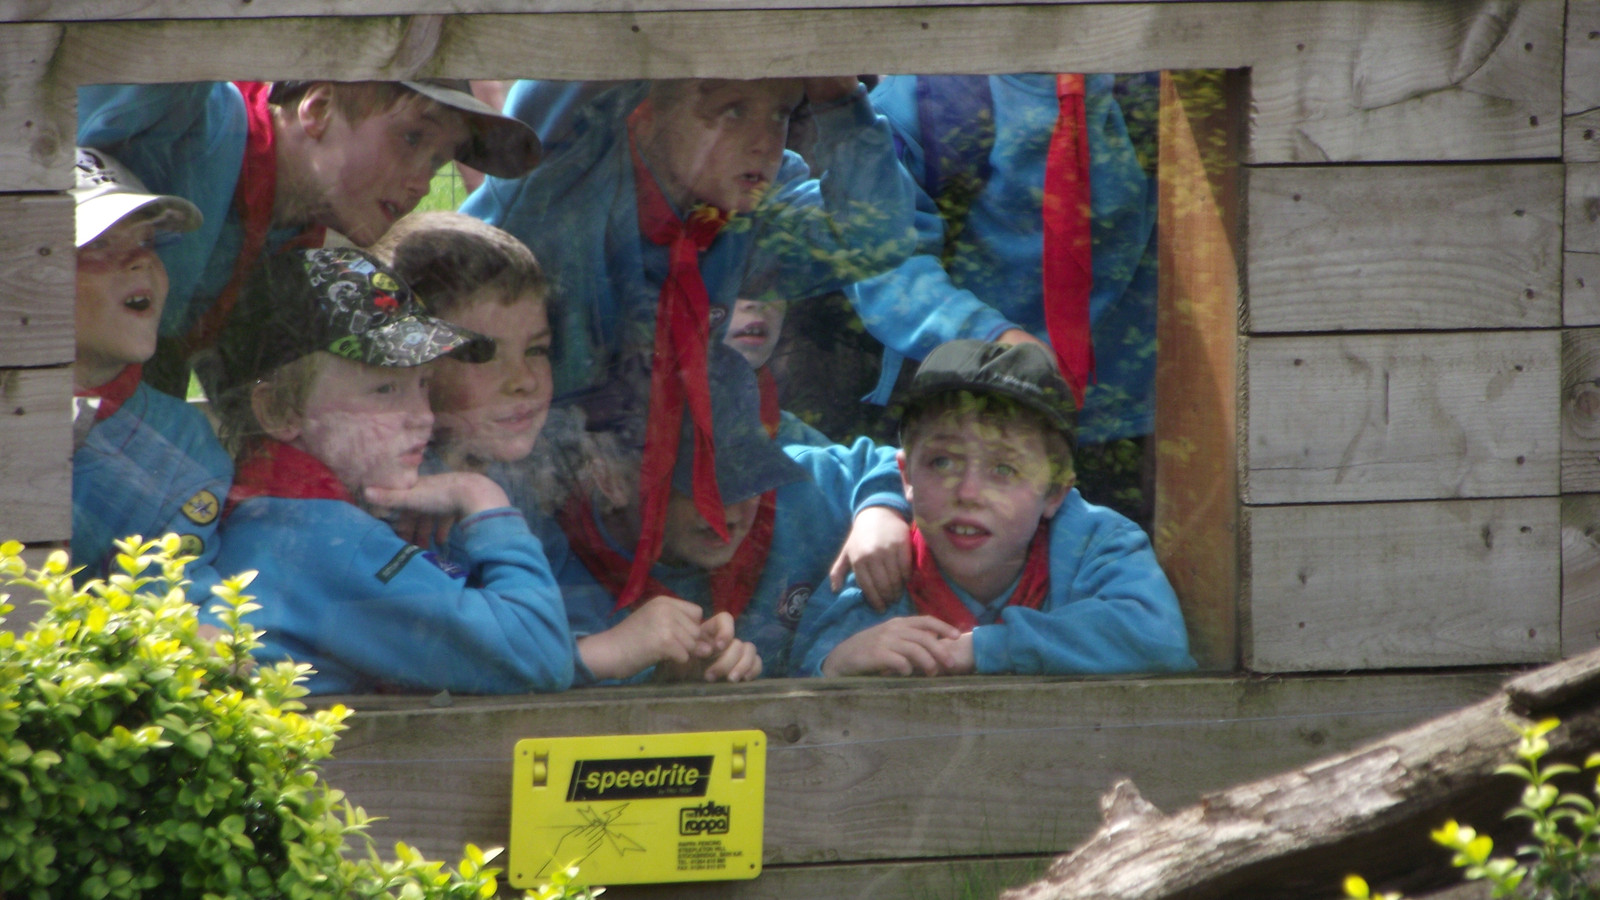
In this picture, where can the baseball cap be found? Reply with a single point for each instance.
(1025, 373)
(337, 299)
(499, 145)
(748, 460)
(106, 192)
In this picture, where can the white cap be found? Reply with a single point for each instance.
(106, 192)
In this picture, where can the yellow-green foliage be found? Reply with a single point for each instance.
(144, 756)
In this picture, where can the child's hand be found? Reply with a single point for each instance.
(426, 530)
(712, 652)
(663, 630)
(448, 494)
(879, 551)
(907, 645)
(827, 90)
(740, 662)
(958, 656)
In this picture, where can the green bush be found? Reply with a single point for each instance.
(142, 755)
(1559, 863)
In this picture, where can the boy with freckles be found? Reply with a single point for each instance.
(656, 201)
(275, 164)
(1012, 571)
(323, 390)
(143, 463)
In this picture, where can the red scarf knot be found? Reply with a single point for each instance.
(933, 596)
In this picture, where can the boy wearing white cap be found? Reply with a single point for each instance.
(143, 463)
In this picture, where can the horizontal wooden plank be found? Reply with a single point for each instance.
(1580, 289)
(942, 880)
(862, 769)
(36, 280)
(1406, 81)
(1331, 80)
(1392, 585)
(1580, 137)
(37, 111)
(1344, 418)
(36, 454)
(1404, 247)
(1582, 83)
(1580, 410)
(1580, 573)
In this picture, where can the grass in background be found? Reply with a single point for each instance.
(446, 193)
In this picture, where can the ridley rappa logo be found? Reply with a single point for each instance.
(630, 779)
(707, 818)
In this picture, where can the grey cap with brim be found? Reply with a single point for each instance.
(500, 145)
(106, 193)
(1024, 372)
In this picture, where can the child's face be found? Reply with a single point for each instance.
(369, 424)
(369, 173)
(494, 410)
(722, 142)
(753, 329)
(122, 287)
(978, 492)
(687, 538)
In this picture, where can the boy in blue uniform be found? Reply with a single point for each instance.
(789, 509)
(657, 201)
(143, 463)
(488, 418)
(268, 164)
(753, 329)
(323, 393)
(1012, 571)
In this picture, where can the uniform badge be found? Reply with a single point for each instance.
(793, 605)
(202, 508)
(191, 545)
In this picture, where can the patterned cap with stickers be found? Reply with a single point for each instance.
(336, 299)
(106, 193)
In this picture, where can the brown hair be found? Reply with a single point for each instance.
(285, 392)
(447, 257)
(995, 410)
(355, 100)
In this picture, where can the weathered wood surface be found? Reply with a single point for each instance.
(878, 769)
(1197, 382)
(1406, 416)
(1580, 292)
(37, 111)
(1404, 247)
(1331, 80)
(1580, 137)
(1581, 85)
(36, 280)
(1392, 585)
(1581, 232)
(943, 880)
(36, 454)
(1580, 573)
(1297, 834)
(1580, 410)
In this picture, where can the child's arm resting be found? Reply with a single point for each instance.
(903, 645)
(1115, 613)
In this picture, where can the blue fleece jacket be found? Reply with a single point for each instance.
(150, 468)
(187, 140)
(340, 590)
(994, 282)
(813, 519)
(578, 212)
(1109, 609)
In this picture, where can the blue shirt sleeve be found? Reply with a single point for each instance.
(1110, 608)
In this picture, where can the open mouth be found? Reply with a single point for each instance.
(390, 210)
(139, 303)
(756, 331)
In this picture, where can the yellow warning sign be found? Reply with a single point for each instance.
(639, 809)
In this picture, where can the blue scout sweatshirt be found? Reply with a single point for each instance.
(813, 519)
(152, 467)
(578, 212)
(995, 282)
(1109, 609)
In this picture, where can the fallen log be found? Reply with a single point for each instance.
(1368, 810)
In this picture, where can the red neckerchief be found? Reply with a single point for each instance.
(276, 469)
(732, 585)
(113, 393)
(932, 595)
(253, 197)
(1068, 265)
(677, 371)
(771, 415)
